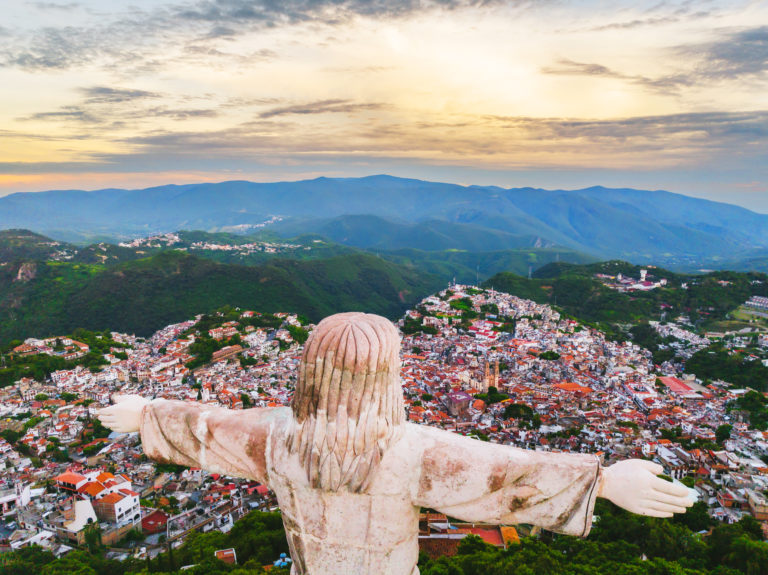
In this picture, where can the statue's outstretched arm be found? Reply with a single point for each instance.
(197, 435)
(483, 482)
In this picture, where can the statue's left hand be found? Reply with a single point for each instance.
(633, 485)
(125, 415)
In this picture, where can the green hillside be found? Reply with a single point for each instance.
(26, 245)
(466, 266)
(256, 249)
(144, 295)
(705, 299)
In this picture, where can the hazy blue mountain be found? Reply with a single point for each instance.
(637, 225)
(470, 267)
(373, 232)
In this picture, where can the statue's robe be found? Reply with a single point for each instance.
(376, 532)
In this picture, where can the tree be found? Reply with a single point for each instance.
(93, 537)
(472, 544)
(723, 432)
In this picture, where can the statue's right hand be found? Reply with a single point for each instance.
(633, 485)
(125, 415)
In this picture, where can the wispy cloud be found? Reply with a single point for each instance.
(103, 106)
(269, 12)
(732, 55)
(107, 95)
(55, 6)
(661, 14)
(67, 113)
(322, 107)
(676, 139)
(126, 38)
(49, 49)
(735, 53)
(664, 84)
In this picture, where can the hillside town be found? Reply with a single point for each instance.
(474, 361)
(173, 240)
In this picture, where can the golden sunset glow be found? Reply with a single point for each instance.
(498, 92)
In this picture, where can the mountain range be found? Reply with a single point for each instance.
(384, 212)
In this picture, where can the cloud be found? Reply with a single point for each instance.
(66, 113)
(271, 12)
(678, 139)
(690, 142)
(182, 114)
(737, 53)
(111, 107)
(205, 54)
(51, 48)
(637, 23)
(665, 84)
(131, 39)
(661, 14)
(322, 107)
(733, 55)
(45, 6)
(107, 95)
(567, 67)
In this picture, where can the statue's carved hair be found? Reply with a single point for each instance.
(348, 403)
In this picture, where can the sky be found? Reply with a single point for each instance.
(554, 94)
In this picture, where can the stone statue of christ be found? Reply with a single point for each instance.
(350, 474)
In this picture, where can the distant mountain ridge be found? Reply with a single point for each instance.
(640, 226)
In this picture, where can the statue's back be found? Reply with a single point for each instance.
(330, 533)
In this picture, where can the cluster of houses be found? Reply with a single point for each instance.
(586, 393)
(64, 347)
(623, 283)
(172, 239)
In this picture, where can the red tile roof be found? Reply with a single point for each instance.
(69, 477)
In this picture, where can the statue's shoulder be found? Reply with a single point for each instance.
(431, 439)
(426, 436)
(278, 416)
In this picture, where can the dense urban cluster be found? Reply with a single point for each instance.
(475, 361)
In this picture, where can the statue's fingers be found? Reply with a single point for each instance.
(664, 507)
(672, 499)
(654, 468)
(663, 486)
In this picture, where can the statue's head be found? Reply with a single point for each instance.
(348, 403)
